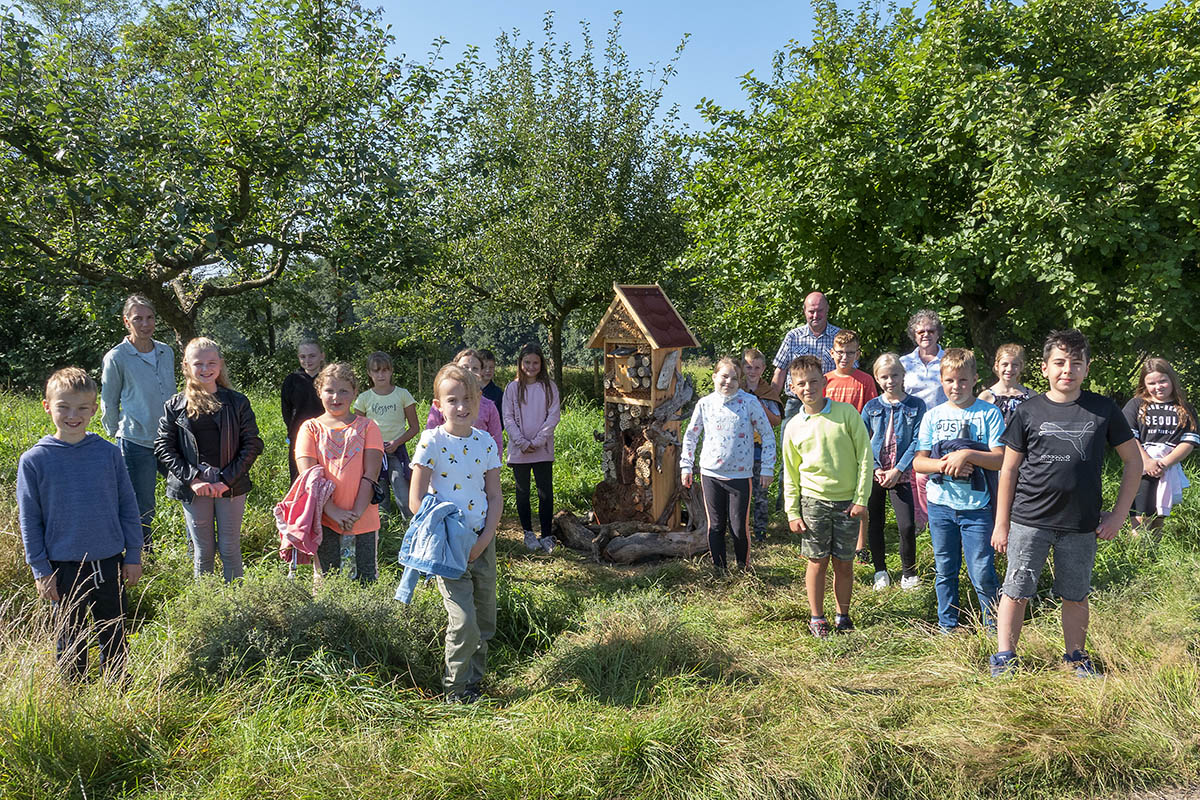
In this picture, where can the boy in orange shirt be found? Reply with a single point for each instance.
(847, 384)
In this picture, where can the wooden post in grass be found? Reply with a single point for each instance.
(420, 377)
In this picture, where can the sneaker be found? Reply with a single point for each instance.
(910, 582)
(1080, 663)
(531, 541)
(1003, 664)
(760, 537)
(548, 543)
(819, 627)
(472, 693)
(862, 556)
(882, 580)
(843, 624)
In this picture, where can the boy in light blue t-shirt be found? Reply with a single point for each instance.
(957, 441)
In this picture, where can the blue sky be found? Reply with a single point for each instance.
(727, 39)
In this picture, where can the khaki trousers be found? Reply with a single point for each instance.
(471, 606)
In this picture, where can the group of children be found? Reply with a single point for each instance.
(1008, 471)
(83, 530)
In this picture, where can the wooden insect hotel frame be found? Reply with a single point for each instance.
(642, 336)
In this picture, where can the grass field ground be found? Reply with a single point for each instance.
(657, 681)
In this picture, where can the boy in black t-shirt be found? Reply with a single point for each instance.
(1050, 497)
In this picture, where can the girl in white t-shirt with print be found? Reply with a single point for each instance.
(460, 464)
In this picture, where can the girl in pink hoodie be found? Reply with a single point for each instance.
(531, 412)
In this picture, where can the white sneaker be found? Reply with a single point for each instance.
(882, 580)
(531, 541)
(910, 582)
(548, 543)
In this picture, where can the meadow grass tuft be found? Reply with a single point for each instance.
(628, 644)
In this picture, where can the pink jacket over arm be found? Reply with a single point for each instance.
(298, 515)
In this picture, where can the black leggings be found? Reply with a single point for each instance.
(543, 476)
(902, 504)
(727, 501)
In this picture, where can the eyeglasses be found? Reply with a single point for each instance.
(926, 333)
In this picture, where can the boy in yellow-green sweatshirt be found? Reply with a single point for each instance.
(827, 468)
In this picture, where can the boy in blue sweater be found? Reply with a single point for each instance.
(80, 525)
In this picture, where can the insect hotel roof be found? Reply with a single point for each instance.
(648, 308)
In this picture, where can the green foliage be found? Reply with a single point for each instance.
(200, 150)
(1017, 166)
(43, 329)
(561, 183)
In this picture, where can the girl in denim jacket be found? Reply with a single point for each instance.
(892, 420)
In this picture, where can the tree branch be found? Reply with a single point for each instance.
(209, 289)
(72, 263)
(31, 150)
(239, 210)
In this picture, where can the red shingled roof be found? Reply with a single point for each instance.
(658, 318)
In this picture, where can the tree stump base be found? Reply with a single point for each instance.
(627, 542)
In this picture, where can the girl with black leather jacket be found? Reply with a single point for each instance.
(207, 440)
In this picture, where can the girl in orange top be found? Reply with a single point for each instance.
(350, 449)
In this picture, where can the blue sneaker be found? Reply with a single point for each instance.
(1081, 664)
(1003, 664)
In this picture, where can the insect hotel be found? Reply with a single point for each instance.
(642, 337)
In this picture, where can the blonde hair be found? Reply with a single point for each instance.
(337, 371)
(844, 337)
(752, 353)
(735, 364)
(453, 372)
(886, 361)
(468, 352)
(958, 358)
(200, 400)
(802, 364)
(69, 379)
(1014, 351)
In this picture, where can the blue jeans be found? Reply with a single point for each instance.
(956, 534)
(142, 466)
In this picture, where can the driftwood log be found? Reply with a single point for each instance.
(626, 542)
(632, 541)
(644, 545)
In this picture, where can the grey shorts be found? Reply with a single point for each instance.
(831, 531)
(1074, 557)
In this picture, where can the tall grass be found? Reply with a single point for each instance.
(657, 681)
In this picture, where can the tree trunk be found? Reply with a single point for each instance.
(168, 310)
(270, 329)
(982, 313)
(645, 545)
(556, 329)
